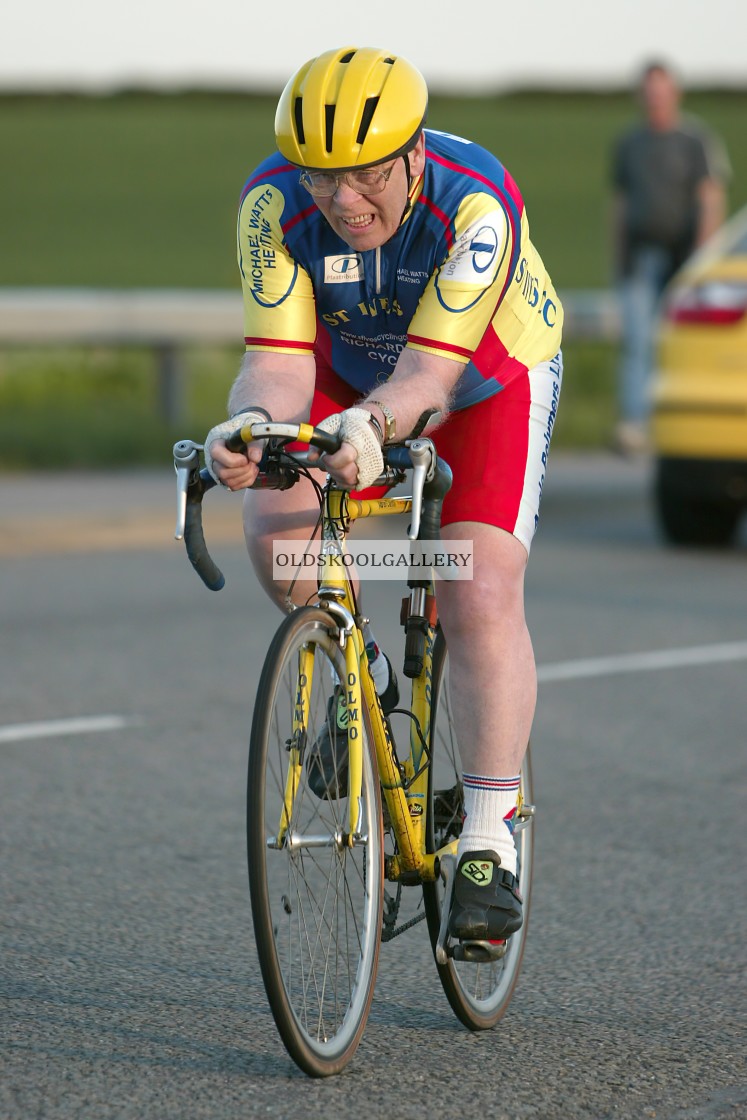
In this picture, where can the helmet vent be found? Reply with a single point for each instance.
(389, 61)
(368, 111)
(298, 117)
(348, 57)
(329, 124)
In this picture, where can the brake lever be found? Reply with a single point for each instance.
(423, 458)
(186, 465)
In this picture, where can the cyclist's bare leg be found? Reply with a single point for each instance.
(492, 668)
(282, 515)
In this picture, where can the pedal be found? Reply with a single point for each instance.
(478, 952)
(524, 816)
(447, 866)
(474, 952)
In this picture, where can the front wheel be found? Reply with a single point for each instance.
(316, 891)
(479, 993)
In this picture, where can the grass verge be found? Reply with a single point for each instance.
(99, 408)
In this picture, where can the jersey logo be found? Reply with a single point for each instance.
(473, 263)
(483, 247)
(343, 270)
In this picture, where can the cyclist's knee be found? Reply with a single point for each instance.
(496, 589)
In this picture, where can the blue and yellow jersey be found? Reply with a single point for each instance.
(460, 278)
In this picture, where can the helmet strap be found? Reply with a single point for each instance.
(408, 204)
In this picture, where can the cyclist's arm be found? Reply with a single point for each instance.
(421, 382)
(281, 384)
(278, 370)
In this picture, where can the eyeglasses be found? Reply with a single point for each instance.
(368, 180)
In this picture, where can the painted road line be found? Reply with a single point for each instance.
(14, 733)
(643, 662)
(558, 671)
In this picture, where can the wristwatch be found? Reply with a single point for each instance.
(390, 429)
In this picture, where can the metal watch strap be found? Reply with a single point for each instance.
(390, 433)
(376, 427)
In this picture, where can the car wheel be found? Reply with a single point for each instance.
(688, 519)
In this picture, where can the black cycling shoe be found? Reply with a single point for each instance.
(486, 904)
(327, 760)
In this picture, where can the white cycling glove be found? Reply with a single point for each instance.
(354, 427)
(226, 429)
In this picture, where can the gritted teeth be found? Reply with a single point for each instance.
(360, 220)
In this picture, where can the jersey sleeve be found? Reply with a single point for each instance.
(279, 307)
(463, 294)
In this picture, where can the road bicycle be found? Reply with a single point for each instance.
(328, 867)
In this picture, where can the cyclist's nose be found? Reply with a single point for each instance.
(345, 193)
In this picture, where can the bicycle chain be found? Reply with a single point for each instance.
(388, 935)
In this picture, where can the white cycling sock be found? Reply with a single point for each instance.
(490, 808)
(378, 666)
(377, 662)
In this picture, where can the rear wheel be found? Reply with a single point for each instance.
(479, 993)
(316, 893)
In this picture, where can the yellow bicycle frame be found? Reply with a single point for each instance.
(405, 787)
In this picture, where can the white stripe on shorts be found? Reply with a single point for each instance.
(545, 380)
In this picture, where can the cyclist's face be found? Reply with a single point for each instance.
(368, 221)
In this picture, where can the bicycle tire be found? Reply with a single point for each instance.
(479, 994)
(316, 910)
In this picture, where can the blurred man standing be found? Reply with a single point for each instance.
(669, 174)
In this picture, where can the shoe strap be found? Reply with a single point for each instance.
(508, 880)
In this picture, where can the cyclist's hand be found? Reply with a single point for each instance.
(232, 469)
(359, 461)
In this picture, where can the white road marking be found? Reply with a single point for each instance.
(557, 671)
(15, 732)
(643, 662)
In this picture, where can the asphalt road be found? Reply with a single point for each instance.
(129, 979)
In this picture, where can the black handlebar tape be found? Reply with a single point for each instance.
(326, 441)
(434, 493)
(194, 539)
(398, 457)
(236, 443)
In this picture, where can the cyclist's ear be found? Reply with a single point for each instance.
(417, 157)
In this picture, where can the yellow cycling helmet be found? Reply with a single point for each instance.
(349, 108)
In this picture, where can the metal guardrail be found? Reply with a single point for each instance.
(168, 321)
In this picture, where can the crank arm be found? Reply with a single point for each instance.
(447, 865)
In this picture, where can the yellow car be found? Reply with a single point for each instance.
(699, 420)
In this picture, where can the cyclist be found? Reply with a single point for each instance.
(389, 278)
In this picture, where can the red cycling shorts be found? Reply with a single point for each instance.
(497, 450)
